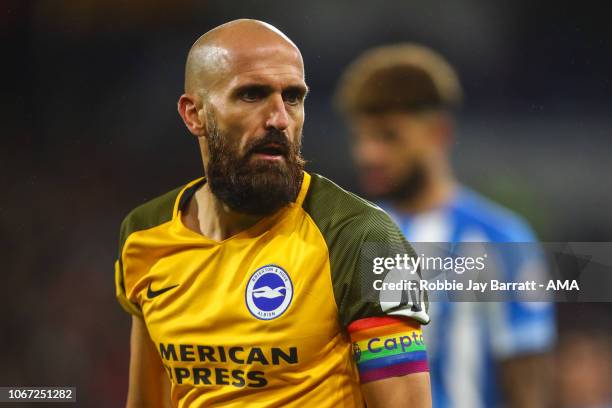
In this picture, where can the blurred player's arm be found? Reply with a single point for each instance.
(526, 381)
(149, 386)
(411, 390)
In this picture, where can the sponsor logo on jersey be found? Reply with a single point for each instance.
(269, 292)
(237, 365)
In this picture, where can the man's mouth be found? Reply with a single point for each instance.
(374, 178)
(270, 151)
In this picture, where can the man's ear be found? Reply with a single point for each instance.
(188, 110)
(444, 129)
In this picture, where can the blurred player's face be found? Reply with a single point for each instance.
(394, 153)
(255, 116)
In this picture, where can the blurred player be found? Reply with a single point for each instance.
(245, 286)
(398, 101)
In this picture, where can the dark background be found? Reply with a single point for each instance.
(90, 130)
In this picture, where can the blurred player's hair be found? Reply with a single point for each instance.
(398, 78)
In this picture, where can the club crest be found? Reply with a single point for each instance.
(269, 292)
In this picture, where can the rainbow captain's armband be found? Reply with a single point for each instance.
(387, 347)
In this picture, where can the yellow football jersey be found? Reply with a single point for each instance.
(261, 318)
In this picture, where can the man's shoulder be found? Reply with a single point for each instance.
(152, 213)
(333, 208)
(499, 222)
(327, 199)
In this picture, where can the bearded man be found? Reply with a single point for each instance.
(250, 286)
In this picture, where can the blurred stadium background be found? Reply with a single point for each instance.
(90, 130)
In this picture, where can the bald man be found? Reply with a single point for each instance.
(253, 285)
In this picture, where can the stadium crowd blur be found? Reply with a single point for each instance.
(90, 130)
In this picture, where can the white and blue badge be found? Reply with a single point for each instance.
(269, 292)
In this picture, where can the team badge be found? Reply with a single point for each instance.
(269, 292)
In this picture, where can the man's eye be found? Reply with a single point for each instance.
(292, 98)
(250, 95)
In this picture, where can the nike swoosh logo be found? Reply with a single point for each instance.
(154, 293)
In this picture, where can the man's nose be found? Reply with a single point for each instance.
(368, 152)
(277, 114)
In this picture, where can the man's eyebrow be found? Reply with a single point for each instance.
(252, 86)
(301, 89)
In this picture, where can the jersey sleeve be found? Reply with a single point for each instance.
(384, 326)
(129, 305)
(147, 216)
(359, 272)
(120, 292)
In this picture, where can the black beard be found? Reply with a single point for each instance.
(410, 187)
(260, 188)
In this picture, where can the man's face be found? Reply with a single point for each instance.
(255, 116)
(392, 153)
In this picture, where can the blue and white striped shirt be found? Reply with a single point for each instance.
(466, 339)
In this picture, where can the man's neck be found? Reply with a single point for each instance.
(434, 195)
(207, 215)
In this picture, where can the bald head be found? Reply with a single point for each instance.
(233, 45)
